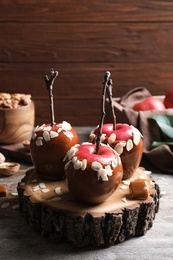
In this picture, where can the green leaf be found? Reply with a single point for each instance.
(158, 143)
(165, 124)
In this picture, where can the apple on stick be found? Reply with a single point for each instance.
(51, 141)
(93, 171)
(125, 139)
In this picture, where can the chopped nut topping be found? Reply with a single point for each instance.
(96, 166)
(112, 138)
(53, 134)
(39, 142)
(108, 170)
(102, 138)
(129, 145)
(102, 173)
(119, 147)
(114, 162)
(46, 136)
(77, 165)
(74, 159)
(67, 165)
(84, 164)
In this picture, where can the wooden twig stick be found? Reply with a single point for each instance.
(109, 87)
(106, 79)
(49, 85)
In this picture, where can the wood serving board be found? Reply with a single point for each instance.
(62, 218)
(16, 151)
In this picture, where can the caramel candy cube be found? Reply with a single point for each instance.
(139, 189)
(3, 191)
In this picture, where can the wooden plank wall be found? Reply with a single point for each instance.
(83, 39)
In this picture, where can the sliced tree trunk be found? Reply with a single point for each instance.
(52, 211)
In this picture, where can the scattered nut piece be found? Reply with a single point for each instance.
(58, 191)
(45, 190)
(16, 206)
(126, 182)
(5, 205)
(124, 200)
(56, 198)
(14, 193)
(2, 158)
(42, 185)
(123, 187)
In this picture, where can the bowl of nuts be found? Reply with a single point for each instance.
(17, 116)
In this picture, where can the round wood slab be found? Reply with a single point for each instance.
(51, 210)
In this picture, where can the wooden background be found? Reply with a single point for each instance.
(83, 39)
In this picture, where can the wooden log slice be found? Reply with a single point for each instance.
(51, 210)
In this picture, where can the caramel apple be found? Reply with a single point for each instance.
(91, 177)
(49, 145)
(127, 141)
(50, 142)
(93, 171)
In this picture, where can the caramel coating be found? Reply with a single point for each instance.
(86, 188)
(93, 177)
(3, 191)
(131, 159)
(48, 158)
